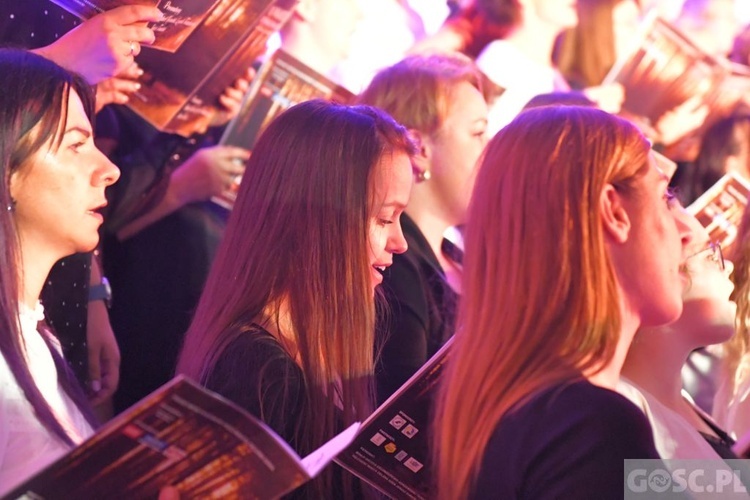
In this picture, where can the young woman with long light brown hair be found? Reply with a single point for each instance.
(285, 325)
(571, 244)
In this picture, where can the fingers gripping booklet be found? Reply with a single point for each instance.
(187, 437)
(204, 46)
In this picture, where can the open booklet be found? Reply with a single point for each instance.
(281, 82)
(664, 69)
(184, 436)
(205, 46)
(392, 448)
(720, 208)
(181, 17)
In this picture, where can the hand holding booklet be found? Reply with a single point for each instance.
(204, 46)
(187, 437)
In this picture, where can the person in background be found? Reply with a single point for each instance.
(569, 250)
(439, 99)
(285, 326)
(652, 373)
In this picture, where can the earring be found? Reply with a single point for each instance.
(11, 206)
(423, 175)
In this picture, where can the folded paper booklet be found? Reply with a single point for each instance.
(205, 46)
(281, 82)
(392, 449)
(720, 208)
(181, 17)
(664, 68)
(187, 437)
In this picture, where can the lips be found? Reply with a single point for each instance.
(377, 270)
(96, 211)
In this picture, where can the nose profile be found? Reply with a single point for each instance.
(396, 242)
(108, 171)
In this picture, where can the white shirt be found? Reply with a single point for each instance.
(674, 436)
(520, 77)
(26, 446)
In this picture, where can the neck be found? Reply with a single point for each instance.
(431, 223)
(35, 264)
(655, 361)
(609, 375)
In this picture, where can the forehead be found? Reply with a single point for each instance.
(393, 178)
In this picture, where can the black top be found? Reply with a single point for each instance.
(158, 274)
(257, 373)
(568, 441)
(420, 313)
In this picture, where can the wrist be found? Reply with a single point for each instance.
(101, 291)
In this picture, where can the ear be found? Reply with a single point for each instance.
(422, 159)
(14, 184)
(615, 219)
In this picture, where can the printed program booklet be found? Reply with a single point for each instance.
(187, 437)
(392, 448)
(206, 45)
(181, 17)
(664, 68)
(720, 209)
(281, 82)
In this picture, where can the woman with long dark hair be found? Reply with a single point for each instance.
(53, 188)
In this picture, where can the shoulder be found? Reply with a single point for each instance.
(252, 360)
(566, 441)
(585, 407)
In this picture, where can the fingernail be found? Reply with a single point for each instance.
(137, 86)
(96, 385)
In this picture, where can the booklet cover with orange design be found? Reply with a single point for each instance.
(186, 437)
(720, 209)
(206, 45)
(281, 82)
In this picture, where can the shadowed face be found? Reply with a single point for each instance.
(391, 186)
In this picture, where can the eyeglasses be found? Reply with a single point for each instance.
(712, 253)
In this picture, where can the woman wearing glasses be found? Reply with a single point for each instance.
(652, 369)
(528, 408)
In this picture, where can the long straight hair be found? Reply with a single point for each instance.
(298, 236)
(540, 303)
(33, 110)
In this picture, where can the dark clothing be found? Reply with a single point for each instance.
(157, 275)
(568, 441)
(33, 23)
(420, 315)
(257, 373)
(65, 297)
